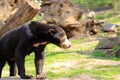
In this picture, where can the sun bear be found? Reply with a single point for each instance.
(16, 44)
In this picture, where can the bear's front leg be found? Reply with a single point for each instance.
(39, 61)
(21, 68)
(20, 54)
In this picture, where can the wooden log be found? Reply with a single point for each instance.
(24, 14)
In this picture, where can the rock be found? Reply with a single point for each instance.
(117, 53)
(108, 27)
(108, 43)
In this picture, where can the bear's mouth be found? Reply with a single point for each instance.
(65, 44)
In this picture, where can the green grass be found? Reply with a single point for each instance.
(94, 3)
(109, 16)
(77, 60)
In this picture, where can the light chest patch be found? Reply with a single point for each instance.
(38, 44)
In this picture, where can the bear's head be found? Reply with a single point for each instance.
(58, 37)
(51, 33)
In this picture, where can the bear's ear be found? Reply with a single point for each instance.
(52, 31)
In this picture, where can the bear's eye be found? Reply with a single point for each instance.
(61, 35)
(63, 40)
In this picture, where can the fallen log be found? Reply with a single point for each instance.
(24, 14)
(64, 14)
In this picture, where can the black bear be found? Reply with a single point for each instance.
(32, 36)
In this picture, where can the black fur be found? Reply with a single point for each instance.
(19, 42)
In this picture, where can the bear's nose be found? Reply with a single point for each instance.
(69, 46)
(66, 44)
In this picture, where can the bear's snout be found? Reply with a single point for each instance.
(65, 44)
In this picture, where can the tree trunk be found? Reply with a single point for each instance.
(24, 14)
